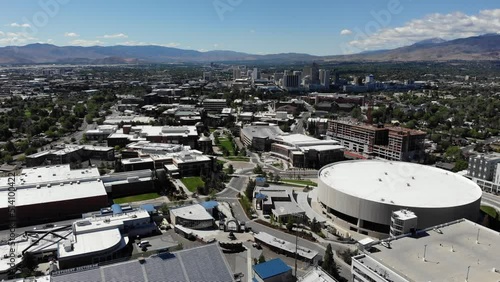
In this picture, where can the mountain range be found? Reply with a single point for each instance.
(477, 48)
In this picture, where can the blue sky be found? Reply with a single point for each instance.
(320, 27)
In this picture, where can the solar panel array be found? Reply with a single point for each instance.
(194, 265)
(124, 272)
(93, 275)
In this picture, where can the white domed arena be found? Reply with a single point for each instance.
(361, 195)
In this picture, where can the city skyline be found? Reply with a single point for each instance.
(255, 27)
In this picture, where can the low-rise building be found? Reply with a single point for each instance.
(52, 193)
(274, 270)
(184, 135)
(192, 216)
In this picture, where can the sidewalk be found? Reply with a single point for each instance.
(181, 186)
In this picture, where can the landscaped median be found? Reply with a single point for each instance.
(136, 198)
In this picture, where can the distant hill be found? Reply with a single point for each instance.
(477, 48)
(484, 47)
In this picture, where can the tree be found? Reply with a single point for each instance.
(230, 169)
(356, 113)
(329, 264)
(315, 226)
(277, 178)
(249, 190)
(262, 258)
(289, 224)
(10, 147)
(258, 170)
(271, 176)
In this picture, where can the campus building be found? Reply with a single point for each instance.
(391, 143)
(184, 135)
(53, 193)
(484, 169)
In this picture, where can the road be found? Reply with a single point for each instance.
(299, 127)
(491, 200)
(230, 195)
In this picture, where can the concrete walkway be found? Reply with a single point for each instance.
(181, 185)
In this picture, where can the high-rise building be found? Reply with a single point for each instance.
(207, 75)
(291, 81)
(236, 73)
(324, 78)
(313, 72)
(255, 74)
(369, 79)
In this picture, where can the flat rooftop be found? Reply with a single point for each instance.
(285, 245)
(52, 174)
(400, 183)
(32, 195)
(286, 208)
(448, 255)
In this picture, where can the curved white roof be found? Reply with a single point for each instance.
(400, 183)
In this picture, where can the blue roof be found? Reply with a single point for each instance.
(209, 204)
(260, 196)
(117, 209)
(271, 268)
(148, 207)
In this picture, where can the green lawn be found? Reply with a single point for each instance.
(192, 183)
(136, 198)
(224, 142)
(221, 162)
(303, 182)
(238, 158)
(489, 211)
(212, 130)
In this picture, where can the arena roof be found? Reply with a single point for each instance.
(400, 183)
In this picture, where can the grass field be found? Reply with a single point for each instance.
(489, 211)
(224, 142)
(221, 162)
(192, 183)
(136, 198)
(238, 158)
(302, 182)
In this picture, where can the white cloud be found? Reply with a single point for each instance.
(20, 25)
(117, 35)
(216, 45)
(172, 44)
(83, 42)
(446, 26)
(16, 38)
(71, 34)
(252, 31)
(202, 50)
(345, 32)
(133, 43)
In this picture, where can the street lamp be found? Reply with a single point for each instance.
(297, 241)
